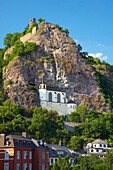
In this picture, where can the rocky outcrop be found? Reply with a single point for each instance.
(57, 59)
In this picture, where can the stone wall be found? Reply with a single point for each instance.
(61, 108)
(26, 37)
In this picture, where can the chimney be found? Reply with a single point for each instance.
(24, 134)
(2, 139)
(60, 143)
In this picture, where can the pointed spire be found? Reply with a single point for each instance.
(43, 80)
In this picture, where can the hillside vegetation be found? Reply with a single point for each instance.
(94, 124)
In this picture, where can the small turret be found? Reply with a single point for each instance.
(31, 22)
(42, 86)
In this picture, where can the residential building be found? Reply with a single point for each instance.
(18, 152)
(40, 156)
(98, 147)
(55, 150)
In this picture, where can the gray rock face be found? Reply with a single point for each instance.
(57, 59)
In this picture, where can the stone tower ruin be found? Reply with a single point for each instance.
(31, 22)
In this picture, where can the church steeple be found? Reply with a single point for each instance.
(42, 85)
(43, 80)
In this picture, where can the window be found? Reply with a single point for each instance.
(30, 155)
(6, 166)
(97, 150)
(43, 155)
(51, 161)
(100, 145)
(55, 160)
(104, 145)
(17, 166)
(91, 150)
(25, 166)
(60, 152)
(25, 154)
(18, 154)
(50, 97)
(58, 98)
(6, 155)
(30, 166)
(43, 167)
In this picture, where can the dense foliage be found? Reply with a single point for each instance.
(20, 50)
(93, 124)
(101, 67)
(62, 30)
(106, 87)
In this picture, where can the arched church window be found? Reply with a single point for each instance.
(58, 98)
(50, 97)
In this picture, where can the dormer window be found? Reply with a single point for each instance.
(60, 152)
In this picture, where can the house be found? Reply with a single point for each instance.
(98, 147)
(40, 155)
(18, 152)
(55, 150)
(55, 99)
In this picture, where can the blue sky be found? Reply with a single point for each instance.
(90, 22)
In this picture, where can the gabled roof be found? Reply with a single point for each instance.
(53, 151)
(99, 141)
(17, 137)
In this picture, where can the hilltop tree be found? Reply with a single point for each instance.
(40, 20)
(79, 47)
(7, 39)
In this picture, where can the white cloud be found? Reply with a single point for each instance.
(98, 55)
(100, 45)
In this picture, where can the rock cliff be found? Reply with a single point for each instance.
(57, 59)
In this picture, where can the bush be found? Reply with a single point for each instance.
(33, 88)
(10, 81)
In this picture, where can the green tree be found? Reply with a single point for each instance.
(85, 163)
(67, 31)
(7, 39)
(74, 117)
(15, 37)
(62, 165)
(109, 160)
(29, 47)
(79, 47)
(18, 50)
(82, 111)
(76, 143)
(41, 125)
(40, 20)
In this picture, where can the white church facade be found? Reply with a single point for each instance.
(55, 100)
